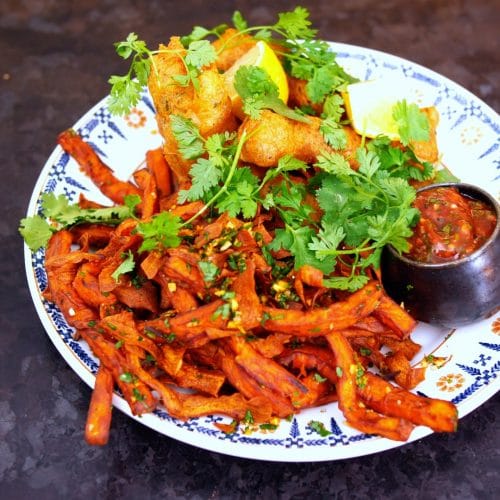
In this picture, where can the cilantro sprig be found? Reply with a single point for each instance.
(304, 56)
(126, 89)
(57, 213)
(363, 210)
(258, 92)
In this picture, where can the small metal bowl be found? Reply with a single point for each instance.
(452, 293)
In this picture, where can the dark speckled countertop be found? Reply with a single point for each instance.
(56, 57)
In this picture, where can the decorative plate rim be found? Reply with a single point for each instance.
(293, 447)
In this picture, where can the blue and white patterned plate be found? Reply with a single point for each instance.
(469, 139)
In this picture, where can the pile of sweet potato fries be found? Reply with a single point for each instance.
(226, 338)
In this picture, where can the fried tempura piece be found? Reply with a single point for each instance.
(208, 107)
(428, 150)
(230, 47)
(272, 136)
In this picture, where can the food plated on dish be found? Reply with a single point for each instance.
(240, 260)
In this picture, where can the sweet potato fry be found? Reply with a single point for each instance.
(439, 415)
(147, 182)
(352, 375)
(320, 321)
(99, 415)
(394, 316)
(158, 166)
(266, 371)
(250, 388)
(93, 166)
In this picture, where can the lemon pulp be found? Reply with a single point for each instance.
(369, 106)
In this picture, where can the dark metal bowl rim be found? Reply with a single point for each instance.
(468, 189)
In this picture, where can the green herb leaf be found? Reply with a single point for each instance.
(319, 427)
(188, 137)
(413, 124)
(210, 271)
(126, 266)
(258, 92)
(239, 21)
(36, 232)
(160, 232)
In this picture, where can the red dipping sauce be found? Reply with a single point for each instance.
(451, 225)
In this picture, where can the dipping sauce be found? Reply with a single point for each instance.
(451, 225)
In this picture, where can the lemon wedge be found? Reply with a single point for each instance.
(264, 57)
(369, 106)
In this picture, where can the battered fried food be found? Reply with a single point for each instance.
(273, 136)
(230, 47)
(208, 106)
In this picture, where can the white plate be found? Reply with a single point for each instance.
(469, 139)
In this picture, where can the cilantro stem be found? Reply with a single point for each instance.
(223, 189)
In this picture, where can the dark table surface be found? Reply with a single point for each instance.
(56, 57)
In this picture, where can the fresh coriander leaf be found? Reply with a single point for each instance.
(251, 81)
(368, 161)
(363, 210)
(131, 201)
(239, 21)
(188, 137)
(413, 124)
(36, 232)
(258, 91)
(61, 211)
(286, 163)
(126, 266)
(241, 195)
(205, 176)
(318, 378)
(400, 163)
(124, 94)
(333, 133)
(348, 283)
(220, 148)
(319, 427)
(324, 80)
(199, 33)
(210, 271)
(334, 163)
(327, 241)
(126, 90)
(297, 241)
(333, 107)
(58, 209)
(295, 24)
(263, 34)
(200, 53)
(130, 45)
(160, 232)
